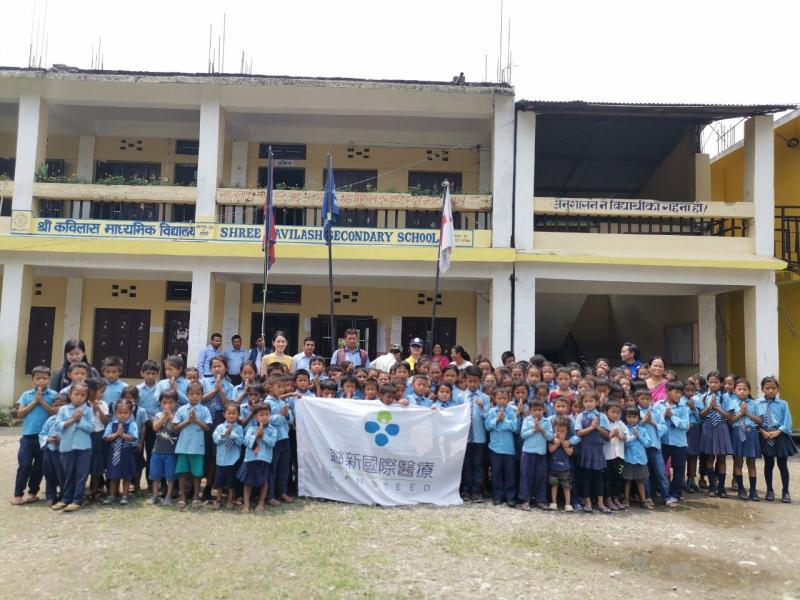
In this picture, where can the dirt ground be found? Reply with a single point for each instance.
(319, 550)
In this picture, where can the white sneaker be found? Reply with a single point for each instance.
(568, 508)
(554, 506)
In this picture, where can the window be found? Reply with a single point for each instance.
(124, 211)
(355, 180)
(187, 147)
(283, 151)
(55, 166)
(51, 209)
(183, 213)
(277, 294)
(185, 175)
(128, 170)
(286, 178)
(179, 290)
(431, 181)
(7, 167)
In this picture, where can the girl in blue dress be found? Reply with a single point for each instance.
(776, 442)
(715, 438)
(745, 439)
(121, 435)
(592, 428)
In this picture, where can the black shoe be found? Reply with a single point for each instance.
(722, 494)
(786, 498)
(754, 497)
(693, 488)
(512, 503)
(712, 494)
(703, 484)
(742, 495)
(465, 497)
(477, 498)
(770, 496)
(496, 501)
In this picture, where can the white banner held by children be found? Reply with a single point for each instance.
(364, 452)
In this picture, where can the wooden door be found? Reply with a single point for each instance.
(288, 323)
(445, 332)
(176, 333)
(40, 337)
(124, 333)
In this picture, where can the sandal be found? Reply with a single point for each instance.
(648, 504)
(181, 504)
(231, 505)
(216, 505)
(31, 500)
(258, 509)
(196, 504)
(17, 501)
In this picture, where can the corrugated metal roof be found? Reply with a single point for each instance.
(699, 113)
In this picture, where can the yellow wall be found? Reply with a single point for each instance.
(381, 304)
(727, 178)
(733, 315)
(789, 297)
(787, 165)
(8, 144)
(381, 159)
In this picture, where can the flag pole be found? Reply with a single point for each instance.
(429, 335)
(329, 216)
(267, 231)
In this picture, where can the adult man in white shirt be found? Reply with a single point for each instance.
(303, 359)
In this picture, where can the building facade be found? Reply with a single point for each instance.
(131, 215)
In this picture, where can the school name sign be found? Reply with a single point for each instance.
(364, 452)
(189, 232)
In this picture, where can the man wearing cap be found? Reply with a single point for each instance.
(415, 347)
(387, 361)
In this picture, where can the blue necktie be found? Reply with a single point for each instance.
(769, 423)
(471, 435)
(714, 416)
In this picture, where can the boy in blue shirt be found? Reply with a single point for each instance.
(74, 427)
(148, 403)
(191, 421)
(501, 423)
(112, 369)
(536, 431)
(228, 437)
(674, 413)
(281, 418)
(51, 461)
(653, 424)
(472, 471)
(420, 387)
(34, 406)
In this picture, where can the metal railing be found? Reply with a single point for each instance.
(787, 235)
(642, 225)
(115, 211)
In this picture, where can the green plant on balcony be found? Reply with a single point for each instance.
(43, 175)
(4, 177)
(120, 180)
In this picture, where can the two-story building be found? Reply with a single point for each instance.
(132, 219)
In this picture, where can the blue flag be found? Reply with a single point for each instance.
(330, 208)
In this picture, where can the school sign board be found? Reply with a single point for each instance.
(364, 452)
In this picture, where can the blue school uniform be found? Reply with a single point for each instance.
(281, 453)
(533, 460)
(113, 393)
(501, 433)
(695, 427)
(591, 455)
(636, 448)
(120, 460)
(675, 428)
(745, 438)
(75, 450)
(29, 457)
(51, 462)
(535, 442)
(473, 468)
(191, 439)
(148, 400)
(256, 468)
(421, 401)
(180, 385)
(502, 452)
(228, 444)
(715, 438)
(214, 404)
(774, 415)
(449, 404)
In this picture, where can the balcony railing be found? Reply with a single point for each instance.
(787, 235)
(642, 217)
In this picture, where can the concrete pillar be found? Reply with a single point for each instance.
(72, 308)
(230, 314)
(524, 311)
(500, 311)
(759, 180)
(85, 171)
(502, 170)
(707, 331)
(523, 182)
(15, 315)
(482, 322)
(209, 161)
(31, 148)
(761, 330)
(239, 164)
(702, 178)
(202, 313)
(485, 171)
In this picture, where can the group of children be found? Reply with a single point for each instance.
(540, 434)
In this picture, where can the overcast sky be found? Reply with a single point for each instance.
(620, 50)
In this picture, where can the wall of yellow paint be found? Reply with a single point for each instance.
(787, 164)
(381, 304)
(727, 178)
(789, 347)
(733, 316)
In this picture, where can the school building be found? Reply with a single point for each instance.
(727, 176)
(131, 218)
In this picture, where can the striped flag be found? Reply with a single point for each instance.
(269, 238)
(446, 235)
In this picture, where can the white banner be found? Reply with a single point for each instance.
(365, 452)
